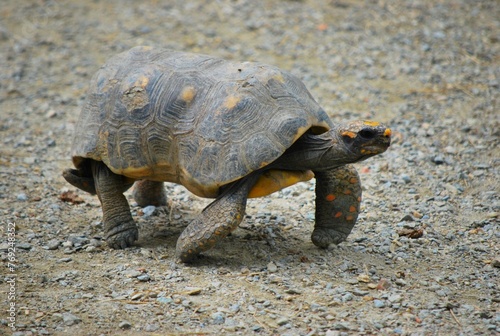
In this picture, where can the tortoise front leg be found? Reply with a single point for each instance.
(338, 196)
(216, 221)
(149, 193)
(119, 227)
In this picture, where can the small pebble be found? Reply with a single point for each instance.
(70, 319)
(438, 160)
(281, 321)
(24, 246)
(218, 317)
(132, 273)
(53, 244)
(124, 325)
(144, 277)
(151, 327)
(22, 197)
(164, 300)
(149, 211)
(378, 303)
(271, 267)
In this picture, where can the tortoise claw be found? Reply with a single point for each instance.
(122, 236)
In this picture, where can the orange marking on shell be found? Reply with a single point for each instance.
(338, 214)
(188, 94)
(350, 134)
(352, 208)
(387, 132)
(231, 102)
(142, 81)
(330, 197)
(371, 123)
(353, 180)
(347, 191)
(359, 199)
(349, 218)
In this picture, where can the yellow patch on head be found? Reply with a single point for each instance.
(274, 180)
(387, 132)
(350, 134)
(231, 102)
(188, 94)
(371, 123)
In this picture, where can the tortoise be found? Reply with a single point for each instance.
(222, 129)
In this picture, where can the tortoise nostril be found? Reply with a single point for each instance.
(367, 133)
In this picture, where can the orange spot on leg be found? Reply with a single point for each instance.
(330, 197)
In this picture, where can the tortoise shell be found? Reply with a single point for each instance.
(191, 119)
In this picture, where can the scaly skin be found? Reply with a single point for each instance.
(119, 227)
(149, 193)
(216, 221)
(338, 196)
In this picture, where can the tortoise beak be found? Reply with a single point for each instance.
(375, 140)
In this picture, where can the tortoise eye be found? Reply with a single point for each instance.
(367, 133)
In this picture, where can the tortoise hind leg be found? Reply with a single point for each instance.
(338, 196)
(216, 221)
(149, 193)
(120, 229)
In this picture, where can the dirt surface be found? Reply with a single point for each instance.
(424, 256)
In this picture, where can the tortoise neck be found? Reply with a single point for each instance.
(314, 152)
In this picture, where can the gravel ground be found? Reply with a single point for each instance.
(424, 258)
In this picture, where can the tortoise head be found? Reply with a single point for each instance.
(359, 140)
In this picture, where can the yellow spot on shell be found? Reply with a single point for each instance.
(188, 94)
(350, 134)
(371, 123)
(231, 102)
(274, 180)
(387, 132)
(141, 82)
(279, 78)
